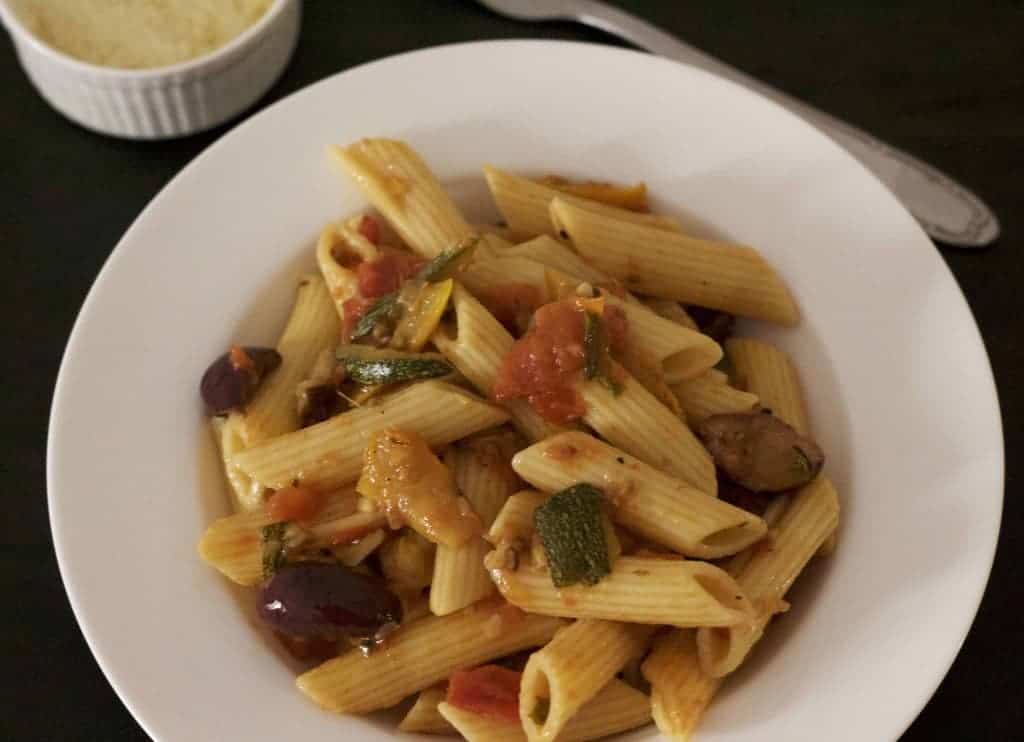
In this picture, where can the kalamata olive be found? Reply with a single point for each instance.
(713, 323)
(761, 452)
(313, 599)
(232, 380)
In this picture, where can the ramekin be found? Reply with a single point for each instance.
(164, 102)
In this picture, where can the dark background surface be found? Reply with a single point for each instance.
(944, 81)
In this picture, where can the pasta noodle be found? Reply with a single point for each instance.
(725, 276)
(649, 503)
(423, 717)
(420, 655)
(638, 590)
(330, 453)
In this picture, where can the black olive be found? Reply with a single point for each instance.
(314, 599)
(226, 386)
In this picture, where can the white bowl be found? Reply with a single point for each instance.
(899, 388)
(164, 102)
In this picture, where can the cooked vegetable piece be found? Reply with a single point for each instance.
(380, 310)
(412, 486)
(597, 357)
(422, 315)
(490, 691)
(571, 530)
(444, 266)
(232, 380)
(367, 365)
(449, 262)
(295, 503)
(312, 599)
(276, 540)
(761, 452)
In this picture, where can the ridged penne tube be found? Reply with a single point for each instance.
(356, 553)
(423, 717)
(525, 205)
(245, 493)
(811, 517)
(232, 544)
(554, 254)
(330, 454)
(483, 475)
(312, 328)
(341, 280)
(709, 395)
(638, 590)
(422, 654)
(732, 278)
(766, 371)
(402, 187)
(635, 421)
(500, 270)
(683, 353)
(476, 344)
(680, 689)
(654, 505)
(573, 668)
(617, 708)
(671, 310)
(515, 519)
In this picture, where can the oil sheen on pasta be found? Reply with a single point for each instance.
(138, 34)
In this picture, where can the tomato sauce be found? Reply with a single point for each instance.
(370, 229)
(490, 691)
(386, 272)
(294, 503)
(510, 303)
(543, 365)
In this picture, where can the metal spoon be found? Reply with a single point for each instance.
(948, 211)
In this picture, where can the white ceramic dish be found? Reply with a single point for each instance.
(168, 101)
(897, 380)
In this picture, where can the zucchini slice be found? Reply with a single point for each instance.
(367, 365)
(571, 530)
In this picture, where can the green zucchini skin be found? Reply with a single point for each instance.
(371, 366)
(571, 531)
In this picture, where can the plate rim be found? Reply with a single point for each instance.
(58, 401)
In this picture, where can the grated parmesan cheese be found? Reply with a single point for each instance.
(137, 34)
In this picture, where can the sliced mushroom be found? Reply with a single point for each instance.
(761, 452)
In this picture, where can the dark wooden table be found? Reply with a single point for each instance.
(945, 81)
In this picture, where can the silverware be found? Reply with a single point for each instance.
(948, 212)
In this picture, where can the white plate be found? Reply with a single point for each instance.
(897, 379)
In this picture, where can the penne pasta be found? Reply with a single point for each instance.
(671, 310)
(483, 475)
(571, 670)
(811, 516)
(422, 654)
(680, 689)
(476, 343)
(312, 328)
(635, 421)
(725, 276)
(423, 717)
(515, 519)
(330, 454)
(651, 504)
(232, 544)
(637, 590)
(709, 394)
(525, 204)
(245, 493)
(340, 279)
(617, 708)
(764, 370)
(556, 255)
(397, 181)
